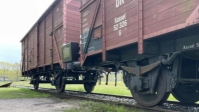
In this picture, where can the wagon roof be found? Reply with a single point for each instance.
(42, 17)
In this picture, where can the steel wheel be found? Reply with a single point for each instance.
(35, 82)
(89, 87)
(159, 96)
(60, 85)
(186, 94)
(36, 85)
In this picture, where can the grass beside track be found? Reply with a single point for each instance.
(11, 93)
(90, 106)
(81, 105)
(120, 89)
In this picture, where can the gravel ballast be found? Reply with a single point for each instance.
(168, 106)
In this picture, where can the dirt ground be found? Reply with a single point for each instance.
(33, 105)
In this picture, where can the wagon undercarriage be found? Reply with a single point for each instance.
(153, 87)
(60, 79)
(151, 81)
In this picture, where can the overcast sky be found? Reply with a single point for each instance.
(16, 18)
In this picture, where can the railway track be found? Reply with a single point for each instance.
(147, 109)
(169, 106)
(129, 97)
(111, 95)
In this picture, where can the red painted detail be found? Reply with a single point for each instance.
(140, 27)
(65, 21)
(37, 44)
(194, 17)
(44, 44)
(103, 31)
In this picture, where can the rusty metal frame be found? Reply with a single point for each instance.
(103, 31)
(140, 27)
(143, 70)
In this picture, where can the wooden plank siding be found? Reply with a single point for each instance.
(39, 40)
(125, 22)
(48, 39)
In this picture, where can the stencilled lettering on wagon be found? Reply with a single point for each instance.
(119, 3)
(191, 46)
(120, 22)
(85, 28)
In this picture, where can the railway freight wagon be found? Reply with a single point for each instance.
(155, 43)
(42, 45)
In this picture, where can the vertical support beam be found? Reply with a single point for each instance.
(107, 79)
(80, 43)
(44, 44)
(65, 21)
(33, 49)
(52, 40)
(27, 53)
(140, 27)
(103, 31)
(115, 78)
(64, 26)
(38, 44)
(23, 54)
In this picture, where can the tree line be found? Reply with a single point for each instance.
(11, 71)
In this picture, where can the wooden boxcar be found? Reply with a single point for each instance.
(41, 46)
(154, 41)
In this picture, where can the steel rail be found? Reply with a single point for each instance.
(66, 95)
(111, 95)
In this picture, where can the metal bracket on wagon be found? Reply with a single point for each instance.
(142, 70)
(170, 58)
